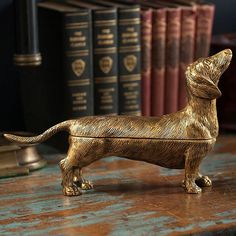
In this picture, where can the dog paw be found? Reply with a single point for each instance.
(203, 181)
(71, 191)
(191, 188)
(86, 185)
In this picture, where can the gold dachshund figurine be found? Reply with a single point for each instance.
(179, 140)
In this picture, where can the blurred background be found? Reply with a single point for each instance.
(11, 113)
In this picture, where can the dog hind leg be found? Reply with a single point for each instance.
(68, 186)
(203, 181)
(80, 181)
(68, 166)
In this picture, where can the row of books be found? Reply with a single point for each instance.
(101, 54)
(114, 57)
(174, 34)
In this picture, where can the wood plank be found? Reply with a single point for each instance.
(130, 198)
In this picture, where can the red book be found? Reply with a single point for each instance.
(157, 55)
(158, 62)
(146, 44)
(172, 59)
(188, 19)
(205, 16)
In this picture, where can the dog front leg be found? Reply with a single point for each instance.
(192, 162)
(80, 181)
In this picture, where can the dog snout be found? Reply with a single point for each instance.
(222, 59)
(227, 54)
(224, 56)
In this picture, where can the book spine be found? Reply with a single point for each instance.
(146, 47)
(105, 61)
(129, 61)
(188, 19)
(78, 64)
(158, 62)
(172, 59)
(205, 16)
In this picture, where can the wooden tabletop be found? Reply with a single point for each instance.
(129, 198)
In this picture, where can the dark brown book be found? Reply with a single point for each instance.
(129, 38)
(78, 64)
(146, 47)
(129, 55)
(105, 59)
(77, 57)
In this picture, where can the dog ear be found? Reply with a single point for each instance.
(204, 88)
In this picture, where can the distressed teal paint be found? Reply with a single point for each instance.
(170, 172)
(112, 159)
(232, 212)
(45, 201)
(88, 218)
(222, 159)
(142, 224)
(37, 206)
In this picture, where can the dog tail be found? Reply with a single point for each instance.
(42, 137)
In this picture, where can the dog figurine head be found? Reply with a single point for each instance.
(203, 75)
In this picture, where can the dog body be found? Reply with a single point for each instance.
(162, 141)
(177, 140)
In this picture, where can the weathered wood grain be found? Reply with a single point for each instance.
(130, 198)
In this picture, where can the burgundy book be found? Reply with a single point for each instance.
(158, 61)
(205, 16)
(146, 47)
(188, 19)
(172, 47)
(172, 59)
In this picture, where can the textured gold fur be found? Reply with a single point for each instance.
(177, 140)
